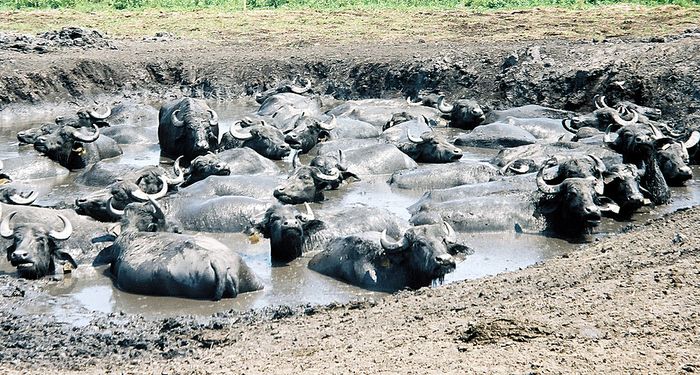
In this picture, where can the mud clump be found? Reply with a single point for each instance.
(67, 37)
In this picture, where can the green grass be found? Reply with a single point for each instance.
(88, 5)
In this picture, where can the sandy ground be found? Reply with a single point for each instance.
(630, 303)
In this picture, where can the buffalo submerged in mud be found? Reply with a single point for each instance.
(237, 185)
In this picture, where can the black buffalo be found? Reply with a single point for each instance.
(266, 140)
(464, 113)
(187, 127)
(307, 132)
(430, 147)
(108, 204)
(307, 183)
(74, 149)
(172, 264)
(371, 260)
(204, 166)
(35, 249)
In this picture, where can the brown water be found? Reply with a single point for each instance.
(89, 289)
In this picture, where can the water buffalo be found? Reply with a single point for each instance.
(375, 159)
(172, 264)
(74, 149)
(306, 183)
(464, 113)
(258, 187)
(29, 136)
(187, 127)
(13, 193)
(601, 118)
(572, 207)
(309, 131)
(284, 87)
(287, 106)
(443, 176)
(496, 135)
(430, 147)
(107, 204)
(293, 233)
(266, 140)
(245, 161)
(379, 112)
(35, 249)
(530, 111)
(204, 166)
(371, 260)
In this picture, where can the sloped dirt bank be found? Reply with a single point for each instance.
(659, 71)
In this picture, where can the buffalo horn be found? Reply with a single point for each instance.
(657, 133)
(163, 190)
(239, 134)
(599, 185)
(179, 175)
(620, 121)
(444, 107)
(449, 231)
(100, 116)
(607, 138)
(157, 209)
(214, 121)
(393, 246)
(65, 233)
(566, 123)
(176, 122)
(693, 139)
(413, 138)
(300, 89)
(295, 160)
(327, 177)
(5, 229)
(412, 103)
(114, 211)
(341, 161)
(329, 126)
(309, 215)
(543, 185)
(596, 101)
(87, 138)
(18, 199)
(599, 165)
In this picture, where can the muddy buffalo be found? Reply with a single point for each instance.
(187, 127)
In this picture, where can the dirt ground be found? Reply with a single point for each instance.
(629, 303)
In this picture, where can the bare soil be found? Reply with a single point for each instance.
(629, 303)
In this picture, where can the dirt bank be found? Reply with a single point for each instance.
(630, 303)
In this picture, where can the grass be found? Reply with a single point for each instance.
(228, 5)
(309, 27)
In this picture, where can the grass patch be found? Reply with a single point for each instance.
(230, 5)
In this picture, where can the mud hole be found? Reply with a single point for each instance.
(627, 303)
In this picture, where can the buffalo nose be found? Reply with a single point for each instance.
(80, 201)
(686, 170)
(445, 259)
(292, 136)
(20, 255)
(281, 189)
(290, 223)
(285, 146)
(41, 139)
(591, 210)
(638, 197)
(457, 151)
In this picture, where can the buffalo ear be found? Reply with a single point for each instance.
(314, 225)
(62, 255)
(346, 175)
(455, 248)
(323, 135)
(106, 256)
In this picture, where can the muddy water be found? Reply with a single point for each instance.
(88, 289)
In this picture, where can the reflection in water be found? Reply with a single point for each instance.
(89, 289)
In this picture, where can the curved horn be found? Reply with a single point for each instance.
(693, 139)
(543, 185)
(328, 126)
(412, 103)
(599, 165)
(341, 161)
(309, 215)
(606, 138)
(18, 199)
(100, 116)
(163, 190)
(5, 228)
(444, 107)
(601, 100)
(393, 246)
(214, 121)
(295, 160)
(114, 211)
(596, 101)
(87, 138)
(657, 133)
(326, 177)
(139, 194)
(413, 138)
(176, 122)
(449, 232)
(179, 175)
(158, 210)
(599, 185)
(65, 233)
(620, 121)
(566, 123)
(299, 89)
(239, 134)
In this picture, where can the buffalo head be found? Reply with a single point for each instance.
(266, 140)
(464, 113)
(307, 132)
(428, 251)
(34, 250)
(430, 148)
(287, 229)
(187, 127)
(68, 146)
(108, 204)
(205, 166)
(306, 183)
